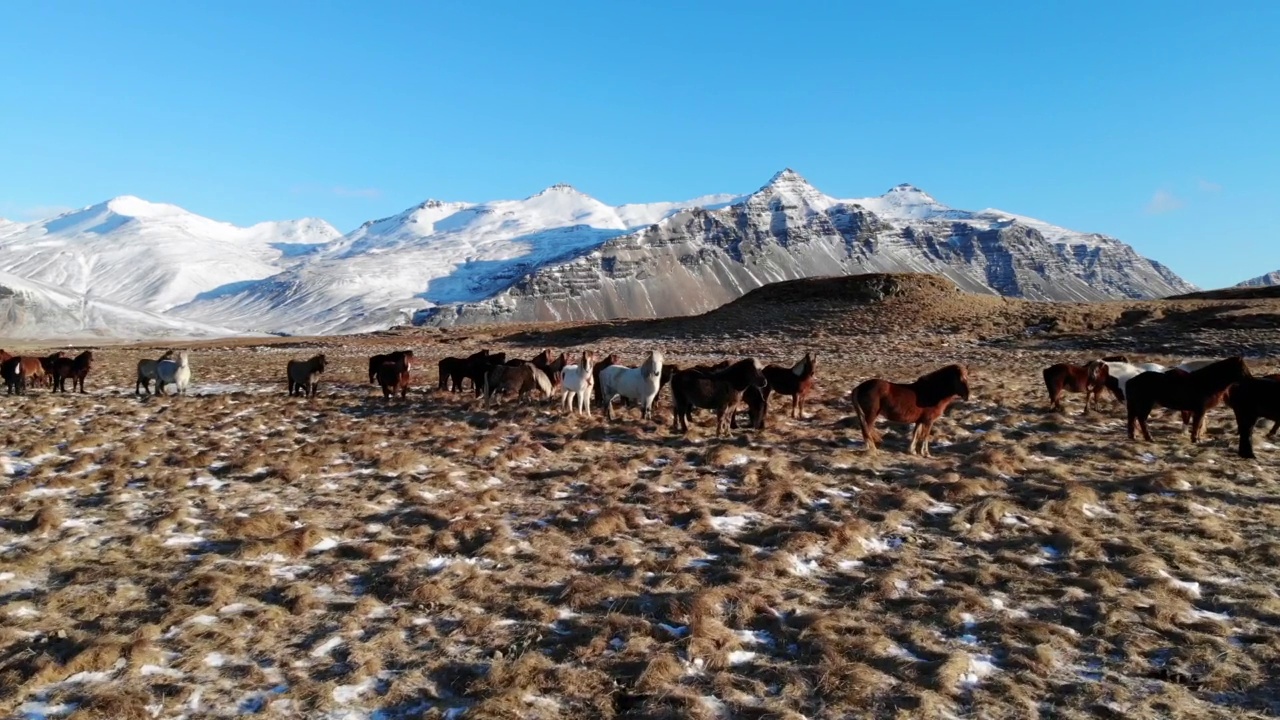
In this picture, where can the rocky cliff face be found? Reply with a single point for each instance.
(1269, 280)
(698, 259)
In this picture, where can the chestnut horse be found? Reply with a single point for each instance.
(1194, 392)
(921, 402)
(1090, 379)
(1254, 399)
(720, 391)
(304, 376)
(76, 368)
(402, 357)
(796, 381)
(520, 379)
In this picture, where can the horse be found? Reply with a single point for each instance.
(1253, 399)
(610, 359)
(405, 357)
(1194, 392)
(21, 372)
(147, 373)
(1090, 379)
(555, 369)
(304, 376)
(47, 362)
(520, 379)
(796, 381)
(578, 382)
(719, 390)
(10, 370)
(452, 370)
(175, 372)
(1119, 373)
(478, 366)
(921, 402)
(393, 377)
(76, 368)
(640, 384)
(540, 361)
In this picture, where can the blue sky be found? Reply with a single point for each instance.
(1153, 122)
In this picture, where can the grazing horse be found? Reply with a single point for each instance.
(1119, 373)
(393, 377)
(1089, 379)
(921, 402)
(719, 390)
(304, 376)
(76, 368)
(174, 372)
(1253, 399)
(478, 367)
(520, 379)
(402, 357)
(147, 373)
(796, 381)
(610, 359)
(579, 385)
(1194, 392)
(639, 384)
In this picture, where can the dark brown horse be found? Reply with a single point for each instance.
(9, 371)
(24, 372)
(796, 381)
(1254, 399)
(76, 368)
(611, 359)
(478, 366)
(1193, 392)
(520, 379)
(720, 391)
(403, 357)
(921, 402)
(393, 378)
(304, 376)
(1090, 379)
(452, 371)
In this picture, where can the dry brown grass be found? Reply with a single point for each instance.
(239, 551)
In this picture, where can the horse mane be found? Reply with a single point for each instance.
(942, 383)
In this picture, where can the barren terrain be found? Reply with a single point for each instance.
(237, 551)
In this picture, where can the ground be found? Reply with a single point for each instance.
(237, 551)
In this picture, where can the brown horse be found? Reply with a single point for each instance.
(76, 368)
(520, 379)
(611, 359)
(148, 371)
(304, 376)
(719, 390)
(1090, 379)
(478, 367)
(1254, 399)
(796, 381)
(452, 371)
(393, 378)
(24, 372)
(1193, 392)
(9, 371)
(921, 402)
(403, 358)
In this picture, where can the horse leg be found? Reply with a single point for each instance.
(925, 431)
(1274, 428)
(1197, 425)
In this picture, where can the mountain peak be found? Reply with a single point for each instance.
(133, 206)
(787, 177)
(906, 193)
(559, 188)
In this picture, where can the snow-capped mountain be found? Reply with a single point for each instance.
(32, 310)
(152, 256)
(431, 254)
(700, 258)
(556, 255)
(1271, 278)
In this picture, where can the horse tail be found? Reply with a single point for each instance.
(487, 396)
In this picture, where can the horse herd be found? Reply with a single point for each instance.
(1191, 389)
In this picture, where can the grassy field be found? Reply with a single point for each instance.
(237, 551)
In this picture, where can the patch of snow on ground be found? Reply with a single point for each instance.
(1190, 588)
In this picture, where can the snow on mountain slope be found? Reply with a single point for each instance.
(433, 253)
(1271, 278)
(34, 310)
(699, 259)
(153, 256)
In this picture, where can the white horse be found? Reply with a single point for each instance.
(174, 372)
(1123, 372)
(639, 385)
(1194, 365)
(579, 384)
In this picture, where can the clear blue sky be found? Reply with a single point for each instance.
(1153, 122)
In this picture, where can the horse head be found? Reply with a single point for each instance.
(1096, 373)
(319, 362)
(653, 365)
(961, 377)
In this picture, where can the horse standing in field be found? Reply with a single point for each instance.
(304, 376)
(403, 357)
(1194, 392)
(175, 372)
(478, 367)
(520, 379)
(76, 368)
(719, 391)
(610, 359)
(921, 402)
(1120, 372)
(1254, 399)
(147, 373)
(452, 370)
(795, 381)
(393, 378)
(578, 383)
(1090, 379)
(10, 370)
(23, 372)
(639, 384)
